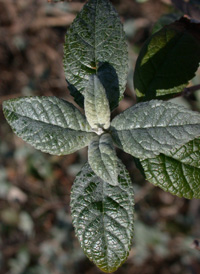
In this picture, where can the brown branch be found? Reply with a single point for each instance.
(188, 91)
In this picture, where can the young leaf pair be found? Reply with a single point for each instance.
(161, 134)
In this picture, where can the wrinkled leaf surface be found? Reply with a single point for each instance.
(95, 43)
(103, 217)
(102, 158)
(178, 171)
(48, 123)
(154, 127)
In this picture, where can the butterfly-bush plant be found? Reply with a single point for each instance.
(162, 135)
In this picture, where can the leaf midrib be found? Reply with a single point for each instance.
(153, 127)
(45, 123)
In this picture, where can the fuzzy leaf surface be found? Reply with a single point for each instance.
(49, 124)
(97, 108)
(103, 159)
(103, 217)
(168, 60)
(95, 43)
(154, 127)
(178, 171)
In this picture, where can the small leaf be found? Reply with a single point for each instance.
(154, 127)
(168, 60)
(96, 103)
(103, 217)
(48, 123)
(95, 38)
(177, 171)
(103, 159)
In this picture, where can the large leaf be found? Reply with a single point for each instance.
(103, 217)
(168, 60)
(154, 127)
(177, 171)
(48, 123)
(97, 108)
(103, 159)
(95, 43)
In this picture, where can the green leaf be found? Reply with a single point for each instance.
(103, 159)
(103, 217)
(168, 60)
(48, 123)
(154, 127)
(177, 171)
(94, 43)
(97, 109)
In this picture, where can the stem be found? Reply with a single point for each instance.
(188, 91)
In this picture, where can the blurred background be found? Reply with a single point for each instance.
(36, 232)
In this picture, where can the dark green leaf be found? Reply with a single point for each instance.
(154, 127)
(48, 123)
(168, 60)
(177, 171)
(103, 159)
(96, 43)
(78, 97)
(103, 217)
(96, 104)
(109, 79)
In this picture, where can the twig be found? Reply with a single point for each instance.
(188, 91)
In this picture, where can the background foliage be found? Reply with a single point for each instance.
(36, 233)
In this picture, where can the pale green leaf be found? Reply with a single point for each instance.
(103, 159)
(178, 171)
(97, 108)
(96, 44)
(48, 123)
(154, 127)
(103, 217)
